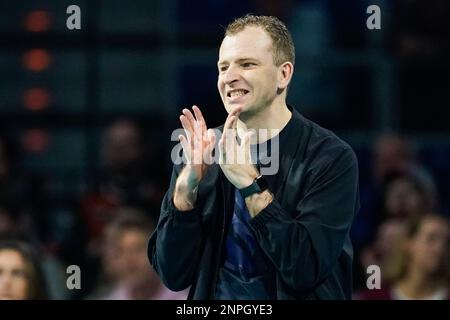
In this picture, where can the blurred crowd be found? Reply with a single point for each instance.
(107, 239)
(402, 227)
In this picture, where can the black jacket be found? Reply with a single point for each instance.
(304, 231)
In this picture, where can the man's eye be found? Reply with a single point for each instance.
(248, 64)
(224, 68)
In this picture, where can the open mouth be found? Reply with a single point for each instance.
(234, 94)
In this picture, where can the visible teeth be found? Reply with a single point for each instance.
(237, 93)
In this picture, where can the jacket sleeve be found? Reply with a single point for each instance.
(304, 245)
(175, 245)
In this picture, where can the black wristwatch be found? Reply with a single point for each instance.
(259, 185)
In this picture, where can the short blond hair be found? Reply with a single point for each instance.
(282, 44)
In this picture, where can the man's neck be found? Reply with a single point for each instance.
(273, 119)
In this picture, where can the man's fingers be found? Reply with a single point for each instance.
(186, 148)
(229, 134)
(229, 142)
(221, 151)
(234, 127)
(235, 111)
(196, 127)
(228, 123)
(200, 119)
(186, 124)
(184, 143)
(246, 139)
(232, 119)
(234, 123)
(246, 145)
(211, 137)
(197, 139)
(187, 128)
(226, 132)
(189, 116)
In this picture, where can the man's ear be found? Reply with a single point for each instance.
(285, 71)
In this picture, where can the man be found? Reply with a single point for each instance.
(231, 233)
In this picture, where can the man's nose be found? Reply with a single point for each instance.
(231, 75)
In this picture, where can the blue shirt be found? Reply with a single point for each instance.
(246, 273)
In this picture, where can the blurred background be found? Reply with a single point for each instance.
(86, 117)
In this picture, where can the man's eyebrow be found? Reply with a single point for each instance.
(238, 60)
(246, 59)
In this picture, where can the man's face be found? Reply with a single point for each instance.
(247, 73)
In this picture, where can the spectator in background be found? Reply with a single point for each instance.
(12, 185)
(127, 160)
(420, 269)
(21, 277)
(404, 196)
(394, 157)
(420, 31)
(392, 154)
(15, 223)
(17, 227)
(52, 268)
(407, 195)
(8, 223)
(389, 232)
(127, 180)
(126, 273)
(7, 159)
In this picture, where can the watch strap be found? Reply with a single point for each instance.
(258, 186)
